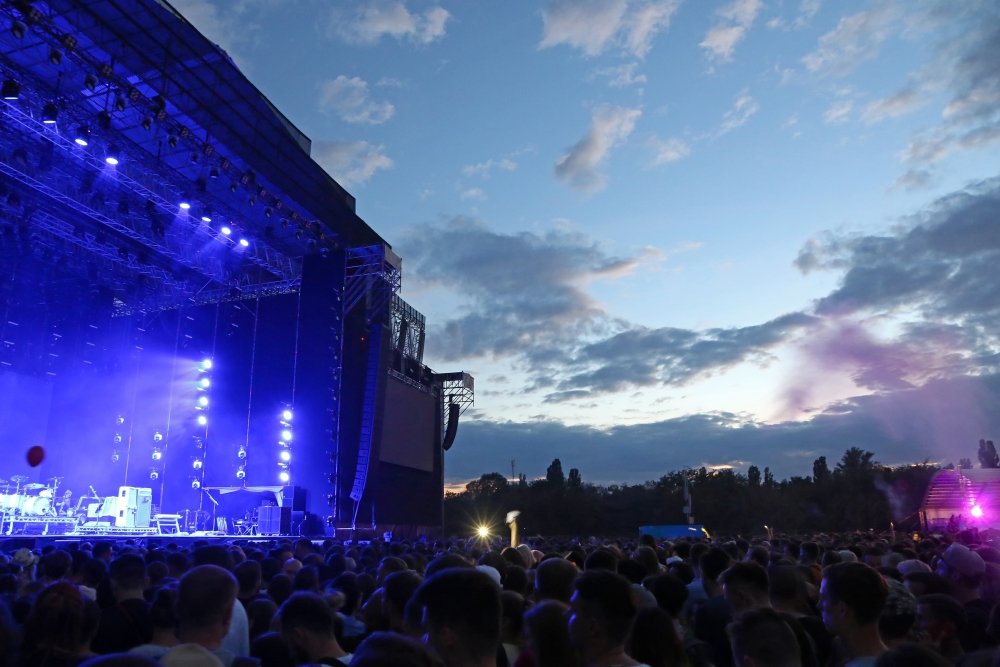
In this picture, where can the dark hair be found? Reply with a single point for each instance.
(932, 582)
(653, 639)
(911, 655)
(468, 601)
(670, 593)
(860, 587)
(513, 607)
(399, 587)
(944, 608)
(746, 575)
(279, 588)
(128, 571)
(712, 563)
(204, 596)
(548, 634)
(60, 622)
(248, 577)
(554, 579)
(516, 580)
(389, 648)
(608, 596)
(764, 635)
(601, 559)
(308, 611)
(162, 612)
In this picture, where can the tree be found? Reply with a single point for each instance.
(753, 476)
(489, 484)
(574, 481)
(988, 457)
(856, 463)
(821, 471)
(554, 474)
(768, 477)
(964, 463)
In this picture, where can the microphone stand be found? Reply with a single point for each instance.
(215, 506)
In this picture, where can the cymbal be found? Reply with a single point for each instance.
(55, 479)
(2, 481)
(17, 479)
(33, 487)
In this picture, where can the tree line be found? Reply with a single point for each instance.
(857, 493)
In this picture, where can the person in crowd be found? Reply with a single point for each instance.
(601, 614)
(940, 623)
(388, 648)
(546, 634)
(308, 628)
(745, 587)
(712, 615)
(511, 628)
(126, 624)
(554, 578)
(163, 621)
(851, 599)
(964, 570)
(761, 637)
(205, 600)
(59, 627)
(462, 616)
(654, 641)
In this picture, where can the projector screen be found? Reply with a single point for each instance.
(408, 433)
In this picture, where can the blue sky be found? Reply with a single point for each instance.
(667, 233)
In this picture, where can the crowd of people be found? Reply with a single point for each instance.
(853, 600)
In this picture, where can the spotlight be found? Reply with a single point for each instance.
(11, 89)
(157, 454)
(286, 415)
(90, 81)
(202, 420)
(977, 511)
(18, 29)
(118, 438)
(185, 205)
(213, 172)
(195, 484)
(286, 435)
(241, 453)
(119, 102)
(112, 157)
(172, 141)
(82, 135)
(206, 364)
(285, 455)
(197, 464)
(241, 473)
(115, 457)
(104, 120)
(226, 230)
(244, 243)
(483, 531)
(49, 113)
(147, 123)
(120, 419)
(206, 218)
(203, 401)
(204, 383)
(154, 475)
(157, 436)
(283, 476)
(55, 56)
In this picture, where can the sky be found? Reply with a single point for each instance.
(665, 234)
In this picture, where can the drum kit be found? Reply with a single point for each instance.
(21, 499)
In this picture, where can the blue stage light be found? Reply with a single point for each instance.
(244, 243)
(226, 230)
(287, 415)
(284, 477)
(82, 135)
(49, 113)
(11, 89)
(203, 401)
(206, 364)
(185, 205)
(286, 435)
(285, 455)
(205, 218)
(202, 420)
(204, 383)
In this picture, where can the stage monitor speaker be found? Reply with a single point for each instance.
(273, 520)
(452, 429)
(294, 498)
(135, 507)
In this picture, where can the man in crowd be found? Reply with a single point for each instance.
(601, 613)
(761, 637)
(851, 597)
(308, 627)
(462, 616)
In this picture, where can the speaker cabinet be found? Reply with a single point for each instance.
(273, 520)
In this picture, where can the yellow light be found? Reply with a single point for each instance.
(483, 531)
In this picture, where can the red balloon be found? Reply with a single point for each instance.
(36, 455)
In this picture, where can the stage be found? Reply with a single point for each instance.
(190, 303)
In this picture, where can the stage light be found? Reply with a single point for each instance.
(204, 383)
(205, 218)
(82, 136)
(195, 484)
(203, 401)
(977, 511)
(157, 436)
(241, 473)
(154, 475)
(241, 453)
(197, 464)
(226, 230)
(55, 56)
(112, 157)
(172, 141)
(120, 419)
(18, 29)
(147, 123)
(206, 364)
(483, 532)
(157, 454)
(286, 415)
(49, 113)
(118, 438)
(185, 205)
(244, 243)
(286, 435)
(283, 476)
(11, 89)
(90, 81)
(104, 120)
(285, 455)
(115, 457)
(119, 102)
(202, 420)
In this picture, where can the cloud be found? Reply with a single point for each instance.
(941, 421)
(485, 169)
(594, 26)
(609, 127)
(736, 18)
(669, 150)
(622, 76)
(898, 104)
(743, 109)
(350, 162)
(856, 39)
(368, 22)
(348, 98)
(839, 113)
(476, 194)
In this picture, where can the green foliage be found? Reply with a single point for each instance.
(859, 493)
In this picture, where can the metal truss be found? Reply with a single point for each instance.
(372, 274)
(408, 329)
(458, 388)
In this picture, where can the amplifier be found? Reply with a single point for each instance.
(273, 520)
(293, 497)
